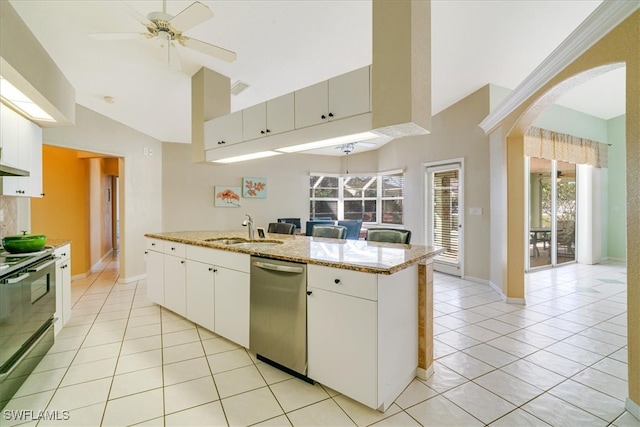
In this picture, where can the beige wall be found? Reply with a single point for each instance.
(140, 178)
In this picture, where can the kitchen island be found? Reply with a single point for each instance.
(369, 318)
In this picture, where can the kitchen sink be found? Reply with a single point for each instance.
(238, 241)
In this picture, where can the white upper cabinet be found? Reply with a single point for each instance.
(268, 118)
(337, 98)
(223, 131)
(21, 148)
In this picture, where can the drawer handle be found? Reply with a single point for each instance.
(309, 292)
(336, 281)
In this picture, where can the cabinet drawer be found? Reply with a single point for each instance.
(233, 261)
(347, 282)
(200, 254)
(155, 244)
(63, 252)
(175, 249)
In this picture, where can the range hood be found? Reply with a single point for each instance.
(11, 171)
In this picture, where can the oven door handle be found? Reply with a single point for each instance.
(41, 266)
(20, 278)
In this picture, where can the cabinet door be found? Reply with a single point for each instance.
(30, 135)
(311, 105)
(9, 154)
(280, 114)
(175, 292)
(232, 305)
(223, 131)
(349, 94)
(200, 294)
(155, 277)
(254, 122)
(344, 360)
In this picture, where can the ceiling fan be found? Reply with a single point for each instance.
(169, 29)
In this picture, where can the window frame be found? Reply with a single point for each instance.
(378, 198)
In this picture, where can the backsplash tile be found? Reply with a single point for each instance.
(9, 205)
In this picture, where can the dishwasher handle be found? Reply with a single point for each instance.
(277, 267)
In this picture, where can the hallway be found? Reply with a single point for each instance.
(561, 360)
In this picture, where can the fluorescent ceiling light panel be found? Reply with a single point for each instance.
(244, 157)
(11, 95)
(338, 140)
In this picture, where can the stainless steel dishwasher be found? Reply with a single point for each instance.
(278, 319)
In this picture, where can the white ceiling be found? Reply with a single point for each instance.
(286, 45)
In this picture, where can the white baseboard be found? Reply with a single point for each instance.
(79, 276)
(498, 289)
(132, 279)
(476, 280)
(614, 259)
(424, 374)
(633, 408)
(94, 267)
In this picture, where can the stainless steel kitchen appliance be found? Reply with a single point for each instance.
(278, 319)
(27, 308)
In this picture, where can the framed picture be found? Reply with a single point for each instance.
(260, 231)
(254, 188)
(226, 197)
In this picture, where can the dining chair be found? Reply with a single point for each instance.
(281, 228)
(389, 235)
(310, 224)
(294, 221)
(353, 228)
(330, 231)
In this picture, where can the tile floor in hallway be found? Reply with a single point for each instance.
(559, 361)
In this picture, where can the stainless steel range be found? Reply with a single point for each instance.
(27, 308)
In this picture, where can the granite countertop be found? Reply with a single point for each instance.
(56, 243)
(359, 255)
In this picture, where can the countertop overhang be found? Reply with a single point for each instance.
(358, 255)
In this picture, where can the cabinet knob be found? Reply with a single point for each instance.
(268, 131)
(153, 244)
(182, 262)
(309, 292)
(323, 117)
(213, 269)
(262, 132)
(42, 194)
(336, 281)
(173, 249)
(64, 254)
(146, 252)
(330, 114)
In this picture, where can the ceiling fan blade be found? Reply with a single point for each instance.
(135, 14)
(208, 49)
(118, 36)
(192, 16)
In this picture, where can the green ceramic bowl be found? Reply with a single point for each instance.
(24, 243)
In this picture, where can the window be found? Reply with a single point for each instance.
(374, 198)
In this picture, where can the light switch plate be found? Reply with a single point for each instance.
(475, 211)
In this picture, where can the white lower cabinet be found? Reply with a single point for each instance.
(155, 276)
(342, 343)
(175, 284)
(362, 331)
(208, 286)
(63, 286)
(232, 305)
(200, 293)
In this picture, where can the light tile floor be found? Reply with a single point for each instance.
(560, 361)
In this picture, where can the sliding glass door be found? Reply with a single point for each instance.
(552, 212)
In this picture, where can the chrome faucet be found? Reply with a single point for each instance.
(249, 223)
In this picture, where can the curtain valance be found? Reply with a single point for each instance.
(546, 144)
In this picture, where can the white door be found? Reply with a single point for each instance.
(444, 199)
